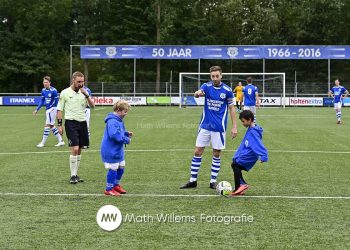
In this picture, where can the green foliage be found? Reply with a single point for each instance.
(33, 36)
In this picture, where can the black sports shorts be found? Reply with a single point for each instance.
(77, 133)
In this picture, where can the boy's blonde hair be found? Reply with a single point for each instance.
(121, 105)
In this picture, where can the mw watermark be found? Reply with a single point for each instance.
(109, 217)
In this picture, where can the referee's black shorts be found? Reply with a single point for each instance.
(77, 133)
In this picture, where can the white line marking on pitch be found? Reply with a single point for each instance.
(100, 108)
(180, 149)
(187, 195)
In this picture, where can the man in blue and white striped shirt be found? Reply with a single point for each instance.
(49, 98)
(212, 129)
(338, 93)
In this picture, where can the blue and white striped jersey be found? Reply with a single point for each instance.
(217, 100)
(338, 92)
(49, 98)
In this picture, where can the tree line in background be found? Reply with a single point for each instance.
(35, 36)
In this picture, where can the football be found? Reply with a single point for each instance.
(223, 188)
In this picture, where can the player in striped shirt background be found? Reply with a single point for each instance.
(251, 97)
(338, 92)
(49, 99)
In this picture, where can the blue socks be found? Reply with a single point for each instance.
(120, 173)
(114, 177)
(111, 177)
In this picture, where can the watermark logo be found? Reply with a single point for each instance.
(109, 217)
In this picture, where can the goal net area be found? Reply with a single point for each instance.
(271, 86)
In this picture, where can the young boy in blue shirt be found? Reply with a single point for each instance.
(248, 152)
(112, 147)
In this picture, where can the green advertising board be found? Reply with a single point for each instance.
(154, 100)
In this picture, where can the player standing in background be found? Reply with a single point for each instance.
(251, 97)
(73, 101)
(112, 147)
(212, 129)
(88, 112)
(49, 98)
(239, 96)
(338, 93)
(248, 152)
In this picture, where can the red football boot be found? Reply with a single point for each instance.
(241, 190)
(119, 189)
(112, 192)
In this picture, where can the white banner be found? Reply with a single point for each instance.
(175, 100)
(270, 101)
(200, 101)
(305, 101)
(109, 100)
(135, 100)
(286, 101)
(0, 100)
(104, 100)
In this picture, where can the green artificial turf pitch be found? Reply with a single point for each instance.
(300, 199)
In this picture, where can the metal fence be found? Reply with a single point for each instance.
(172, 89)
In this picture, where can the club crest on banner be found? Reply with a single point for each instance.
(232, 52)
(111, 51)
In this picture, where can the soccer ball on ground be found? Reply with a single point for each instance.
(223, 188)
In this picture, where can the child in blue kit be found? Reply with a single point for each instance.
(248, 152)
(112, 147)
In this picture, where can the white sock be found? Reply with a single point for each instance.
(78, 162)
(73, 164)
(215, 168)
(55, 132)
(339, 115)
(45, 134)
